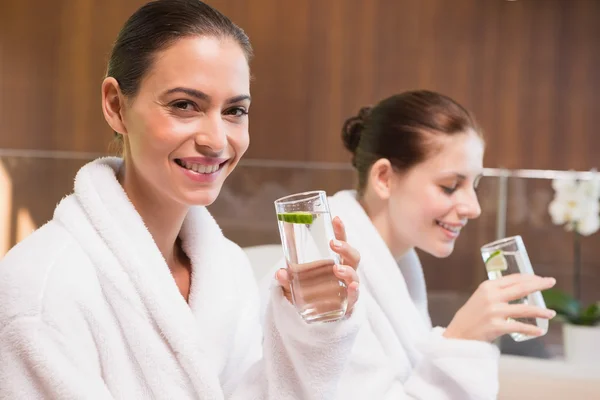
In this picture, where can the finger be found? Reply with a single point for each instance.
(283, 278)
(329, 292)
(320, 288)
(319, 281)
(514, 279)
(525, 288)
(352, 297)
(512, 326)
(338, 229)
(306, 269)
(526, 311)
(347, 274)
(348, 254)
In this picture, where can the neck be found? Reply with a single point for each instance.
(162, 217)
(378, 212)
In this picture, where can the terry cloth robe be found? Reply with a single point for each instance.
(90, 310)
(398, 355)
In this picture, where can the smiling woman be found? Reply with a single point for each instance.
(419, 158)
(131, 291)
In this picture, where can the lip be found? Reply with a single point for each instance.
(203, 160)
(460, 225)
(201, 177)
(450, 234)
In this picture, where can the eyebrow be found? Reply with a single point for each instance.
(462, 177)
(203, 96)
(456, 175)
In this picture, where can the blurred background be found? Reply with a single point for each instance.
(527, 68)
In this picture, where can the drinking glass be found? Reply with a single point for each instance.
(306, 232)
(508, 256)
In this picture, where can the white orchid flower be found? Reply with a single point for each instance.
(588, 225)
(563, 186)
(590, 189)
(576, 205)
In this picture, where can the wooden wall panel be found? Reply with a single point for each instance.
(527, 68)
(523, 67)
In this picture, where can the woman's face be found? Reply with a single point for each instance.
(187, 127)
(430, 203)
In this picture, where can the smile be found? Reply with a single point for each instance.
(205, 169)
(451, 228)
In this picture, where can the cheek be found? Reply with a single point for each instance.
(404, 215)
(436, 205)
(239, 139)
(152, 127)
(164, 133)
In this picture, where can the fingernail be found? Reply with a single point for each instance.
(551, 313)
(337, 244)
(551, 280)
(341, 270)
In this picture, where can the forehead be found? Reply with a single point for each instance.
(460, 153)
(216, 66)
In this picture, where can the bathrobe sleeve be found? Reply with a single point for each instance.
(448, 370)
(39, 362)
(289, 359)
(455, 369)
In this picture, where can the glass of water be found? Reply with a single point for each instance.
(509, 256)
(306, 232)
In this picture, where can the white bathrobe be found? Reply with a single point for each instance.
(398, 355)
(90, 310)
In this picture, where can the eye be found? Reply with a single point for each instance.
(184, 105)
(237, 111)
(448, 190)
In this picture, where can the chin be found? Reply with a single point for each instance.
(441, 250)
(202, 198)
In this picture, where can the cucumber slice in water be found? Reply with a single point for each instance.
(296, 217)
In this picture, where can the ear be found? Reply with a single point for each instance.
(380, 178)
(113, 103)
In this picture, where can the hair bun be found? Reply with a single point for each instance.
(353, 128)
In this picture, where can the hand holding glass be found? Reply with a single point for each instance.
(306, 233)
(509, 256)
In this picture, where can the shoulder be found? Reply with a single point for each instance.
(45, 272)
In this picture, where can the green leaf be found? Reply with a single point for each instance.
(563, 303)
(591, 315)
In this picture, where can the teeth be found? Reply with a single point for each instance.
(454, 229)
(200, 168)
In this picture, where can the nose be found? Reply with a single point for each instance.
(468, 206)
(211, 136)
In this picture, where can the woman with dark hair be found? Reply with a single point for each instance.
(419, 158)
(131, 291)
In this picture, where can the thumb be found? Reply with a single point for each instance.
(283, 278)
